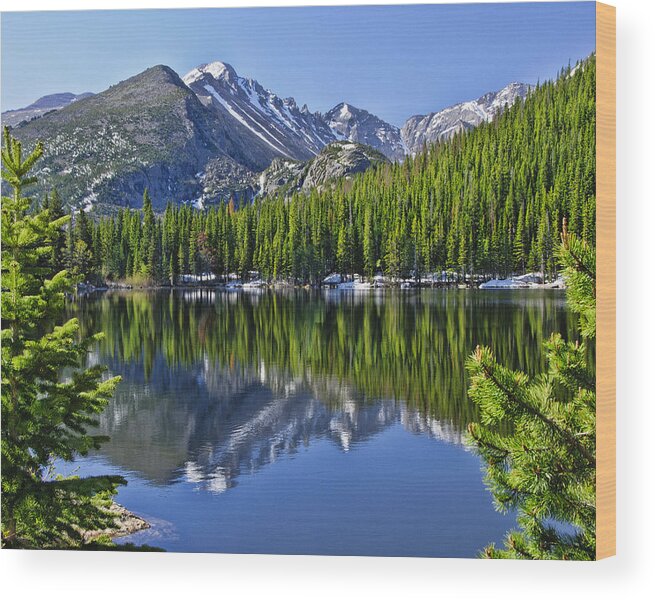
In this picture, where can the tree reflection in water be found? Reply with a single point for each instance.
(218, 383)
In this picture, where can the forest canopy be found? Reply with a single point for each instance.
(490, 201)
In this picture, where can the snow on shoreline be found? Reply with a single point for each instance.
(337, 282)
(529, 281)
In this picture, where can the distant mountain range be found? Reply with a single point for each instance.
(212, 135)
(39, 108)
(438, 126)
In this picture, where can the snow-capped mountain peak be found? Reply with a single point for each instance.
(344, 112)
(260, 115)
(276, 127)
(357, 125)
(285, 129)
(217, 69)
(496, 101)
(437, 126)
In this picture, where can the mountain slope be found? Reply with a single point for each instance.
(42, 106)
(278, 124)
(420, 130)
(357, 125)
(148, 131)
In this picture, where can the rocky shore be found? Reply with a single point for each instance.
(126, 523)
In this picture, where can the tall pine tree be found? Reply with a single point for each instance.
(44, 417)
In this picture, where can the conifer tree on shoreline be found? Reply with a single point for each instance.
(545, 467)
(44, 415)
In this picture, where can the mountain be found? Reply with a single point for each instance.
(337, 160)
(283, 128)
(201, 139)
(357, 125)
(42, 106)
(212, 135)
(290, 132)
(148, 131)
(437, 126)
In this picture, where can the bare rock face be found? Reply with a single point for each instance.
(422, 130)
(357, 125)
(341, 159)
(283, 175)
(336, 161)
(223, 179)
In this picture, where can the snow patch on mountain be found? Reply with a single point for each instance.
(420, 130)
(287, 130)
(348, 122)
(242, 119)
(218, 70)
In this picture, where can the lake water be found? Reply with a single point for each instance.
(307, 422)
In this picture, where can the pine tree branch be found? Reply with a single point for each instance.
(534, 412)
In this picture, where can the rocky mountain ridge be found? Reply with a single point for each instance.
(348, 122)
(421, 130)
(336, 161)
(42, 106)
(212, 135)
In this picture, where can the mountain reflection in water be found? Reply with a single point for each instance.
(208, 424)
(218, 385)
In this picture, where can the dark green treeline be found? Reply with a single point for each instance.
(490, 201)
(410, 347)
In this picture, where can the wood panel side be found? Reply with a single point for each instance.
(606, 280)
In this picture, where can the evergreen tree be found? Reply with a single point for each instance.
(148, 249)
(44, 417)
(368, 244)
(544, 467)
(56, 210)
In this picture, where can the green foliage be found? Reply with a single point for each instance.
(491, 201)
(409, 347)
(44, 415)
(579, 261)
(545, 466)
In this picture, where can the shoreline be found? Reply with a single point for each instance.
(512, 283)
(126, 523)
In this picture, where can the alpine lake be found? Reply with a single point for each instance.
(307, 422)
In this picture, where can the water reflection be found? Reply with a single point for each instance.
(208, 424)
(218, 384)
(298, 422)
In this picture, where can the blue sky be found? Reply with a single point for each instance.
(395, 61)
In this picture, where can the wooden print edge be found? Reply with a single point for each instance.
(606, 280)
